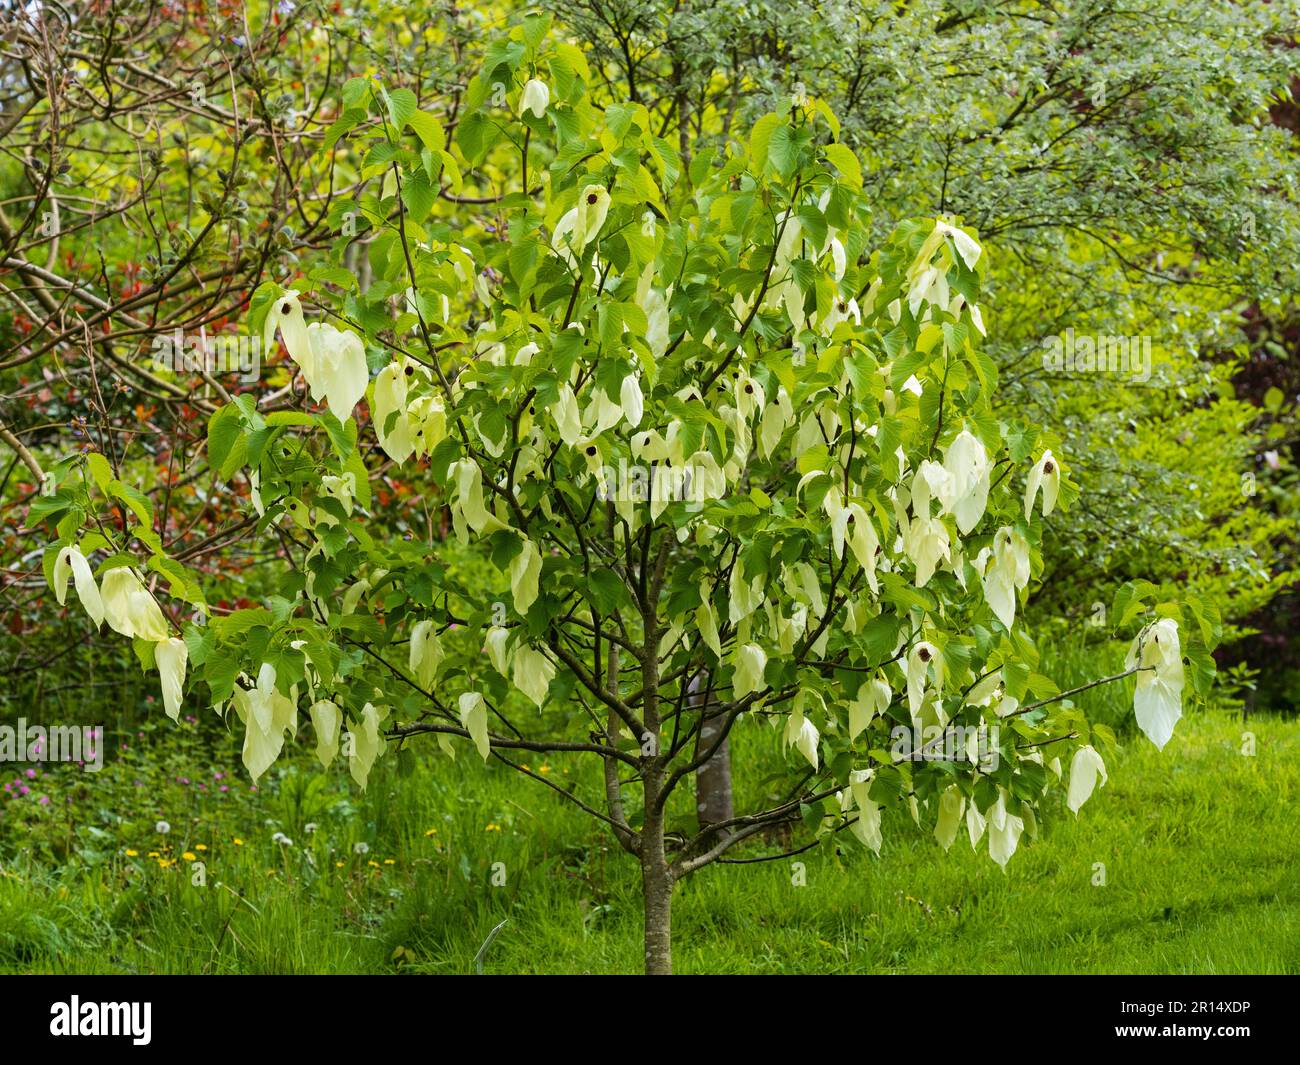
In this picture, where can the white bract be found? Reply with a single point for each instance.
(967, 485)
(333, 361)
(473, 718)
(1085, 767)
(170, 656)
(425, 654)
(1158, 697)
(83, 579)
(129, 608)
(536, 97)
(1045, 474)
(367, 742)
(1004, 571)
(267, 715)
(580, 226)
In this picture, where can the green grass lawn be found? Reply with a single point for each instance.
(1198, 844)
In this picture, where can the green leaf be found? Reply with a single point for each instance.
(356, 465)
(200, 641)
(879, 637)
(701, 165)
(1129, 601)
(345, 123)
(1015, 676)
(418, 195)
(451, 169)
(429, 130)
(607, 591)
(224, 428)
(610, 316)
(524, 257)
(1201, 667)
(181, 583)
(474, 136)
(219, 671)
(48, 506)
(289, 417)
(841, 156)
(100, 471)
(135, 500)
(242, 621)
(574, 58)
(1208, 619)
(343, 435)
(535, 28)
(760, 139)
(887, 786)
(783, 150)
(355, 91)
(402, 104)
(381, 154)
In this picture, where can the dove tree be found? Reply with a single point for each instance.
(730, 467)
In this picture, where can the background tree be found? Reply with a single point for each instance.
(158, 161)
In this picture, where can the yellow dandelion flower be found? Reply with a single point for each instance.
(238, 842)
(431, 832)
(190, 856)
(153, 854)
(132, 854)
(492, 828)
(389, 861)
(544, 769)
(338, 865)
(204, 846)
(374, 863)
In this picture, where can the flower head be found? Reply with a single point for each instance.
(1158, 697)
(535, 98)
(1046, 475)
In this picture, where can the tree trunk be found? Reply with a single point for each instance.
(656, 887)
(658, 890)
(713, 779)
(656, 874)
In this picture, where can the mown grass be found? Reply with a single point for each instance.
(1198, 847)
